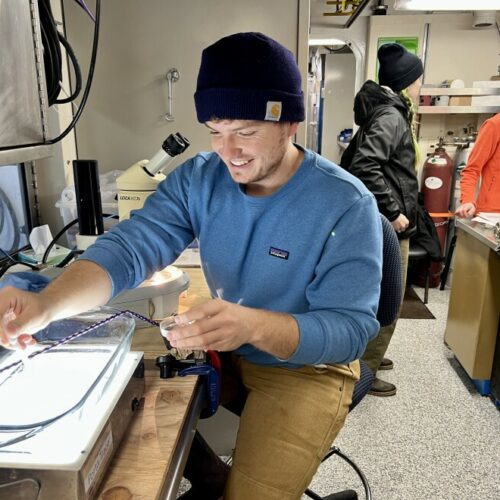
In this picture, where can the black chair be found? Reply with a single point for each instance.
(388, 307)
(419, 253)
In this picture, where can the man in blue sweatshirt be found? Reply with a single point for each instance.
(290, 246)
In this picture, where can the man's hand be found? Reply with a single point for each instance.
(401, 223)
(223, 326)
(466, 210)
(21, 315)
(82, 286)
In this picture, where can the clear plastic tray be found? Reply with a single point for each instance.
(38, 392)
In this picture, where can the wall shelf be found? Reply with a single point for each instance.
(459, 92)
(451, 92)
(441, 110)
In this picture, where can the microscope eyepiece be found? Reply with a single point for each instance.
(172, 146)
(175, 144)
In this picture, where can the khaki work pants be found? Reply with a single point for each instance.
(288, 420)
(376, 349)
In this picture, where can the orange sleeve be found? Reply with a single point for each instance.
(483, 150)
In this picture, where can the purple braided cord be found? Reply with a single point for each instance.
(79, 333)
(83, 5)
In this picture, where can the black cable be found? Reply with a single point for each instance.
(55, 238)
(69, 257)
(11, 264)
(63, 230)
(4, 269)
(51, 38)
(76, 68)
(86, 91)
(10, 261)
(8, 257)
(66, 259)
(52, 52)
(89, 77)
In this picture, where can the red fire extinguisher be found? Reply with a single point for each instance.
(437, 175)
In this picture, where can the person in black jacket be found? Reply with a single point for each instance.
(384, 154)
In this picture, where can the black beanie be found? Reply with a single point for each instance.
(398, 68)
(249, 76)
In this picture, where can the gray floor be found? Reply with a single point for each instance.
(436, 439)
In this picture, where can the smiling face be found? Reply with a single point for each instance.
(257, 154)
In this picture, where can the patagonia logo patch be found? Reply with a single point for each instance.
(276, 252)
(273, 111)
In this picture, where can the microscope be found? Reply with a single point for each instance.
(157, 296)
(141, 179)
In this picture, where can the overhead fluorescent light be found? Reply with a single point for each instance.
(327, 41)
(447, 4)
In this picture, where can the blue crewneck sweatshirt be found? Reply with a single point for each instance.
(312, 249)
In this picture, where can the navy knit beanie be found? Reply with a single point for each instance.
(249, 76)
(398, 68)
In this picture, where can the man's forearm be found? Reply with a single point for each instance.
(83, 286)
(278, 334)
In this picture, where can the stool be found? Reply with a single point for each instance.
(418, 252)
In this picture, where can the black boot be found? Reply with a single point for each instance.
(206, 472)
(382, 388)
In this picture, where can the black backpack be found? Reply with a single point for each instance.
(426, 235)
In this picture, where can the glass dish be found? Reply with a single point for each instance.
(41, 390)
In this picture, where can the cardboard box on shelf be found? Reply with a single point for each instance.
(486, 100)
(461, 100)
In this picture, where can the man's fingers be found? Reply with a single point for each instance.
(12, 328)
(8, 337)
(12, 339)
(20, 327)
(194, 329)
(15, 328)
(202, 342)
(25, 340)
(216, 324)
(208, 308)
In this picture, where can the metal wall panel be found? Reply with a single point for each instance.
(23, 103)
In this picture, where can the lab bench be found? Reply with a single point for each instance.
(474, 307)
(151, 458)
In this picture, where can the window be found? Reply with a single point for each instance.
(15, 220)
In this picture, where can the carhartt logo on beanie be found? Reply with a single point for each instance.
(398, 68)
(249, 76)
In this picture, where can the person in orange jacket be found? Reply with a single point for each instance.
(484, 163)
